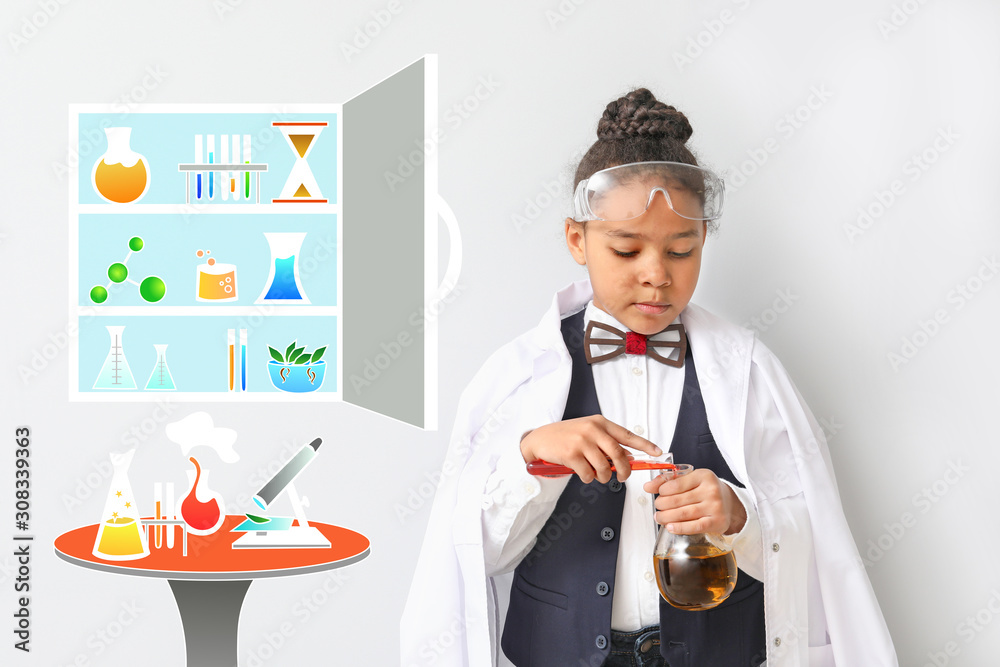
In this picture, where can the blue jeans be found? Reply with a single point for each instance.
(635, 649)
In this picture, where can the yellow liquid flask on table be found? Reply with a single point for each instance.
(119, 534)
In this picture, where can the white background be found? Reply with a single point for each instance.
(889, 90)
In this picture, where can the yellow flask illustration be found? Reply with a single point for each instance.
(120, 535)
(121, 176)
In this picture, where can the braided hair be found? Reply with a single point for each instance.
(637, 128)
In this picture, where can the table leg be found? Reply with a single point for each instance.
(210, 615)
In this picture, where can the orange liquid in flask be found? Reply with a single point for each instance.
(702, 579)
(119, 183)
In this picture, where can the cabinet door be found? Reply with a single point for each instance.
(390, 246)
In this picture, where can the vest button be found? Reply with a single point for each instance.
(615, 485)
(607, 534)
(603, 588)
(601, 641)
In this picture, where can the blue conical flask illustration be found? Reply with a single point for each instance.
(160, 379)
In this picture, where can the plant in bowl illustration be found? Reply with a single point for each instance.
(297, 370)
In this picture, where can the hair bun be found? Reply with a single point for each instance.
(639, 114)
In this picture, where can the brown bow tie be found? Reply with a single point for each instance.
(634, 343)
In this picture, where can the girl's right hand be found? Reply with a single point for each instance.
(585, 444)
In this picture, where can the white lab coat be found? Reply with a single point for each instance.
(819, 605)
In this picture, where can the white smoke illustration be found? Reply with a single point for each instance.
(197, 429)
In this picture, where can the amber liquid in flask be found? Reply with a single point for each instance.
(701, 579)
(693, 572)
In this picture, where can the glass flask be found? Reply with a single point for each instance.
(694, 572)
(283, 283)
(121, 175)
(202, 509)
(160, 379)
(115, 373)
(119, 534)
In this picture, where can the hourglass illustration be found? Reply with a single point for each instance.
(121, 175)
(115, 373)
(120, 535)
(283, 283)
(301, 185)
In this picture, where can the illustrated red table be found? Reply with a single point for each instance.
(209, 584)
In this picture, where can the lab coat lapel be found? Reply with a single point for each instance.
(722, 354)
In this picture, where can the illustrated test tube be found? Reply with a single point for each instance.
(169, 514)
(232, 357)
(224, 159)
(158, 500)
(234, 176)
(246, 160)
(211, 160)
(243, 359)
(197, 160)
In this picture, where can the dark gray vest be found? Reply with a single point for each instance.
(560, 599)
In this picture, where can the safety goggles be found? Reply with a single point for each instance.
(626, 191)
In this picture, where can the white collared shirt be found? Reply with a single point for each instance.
(516, 505)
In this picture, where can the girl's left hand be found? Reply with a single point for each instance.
(698, 502)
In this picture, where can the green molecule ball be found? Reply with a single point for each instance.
(98, 294)
(117, 272)
(152, 289)
(135, 244)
